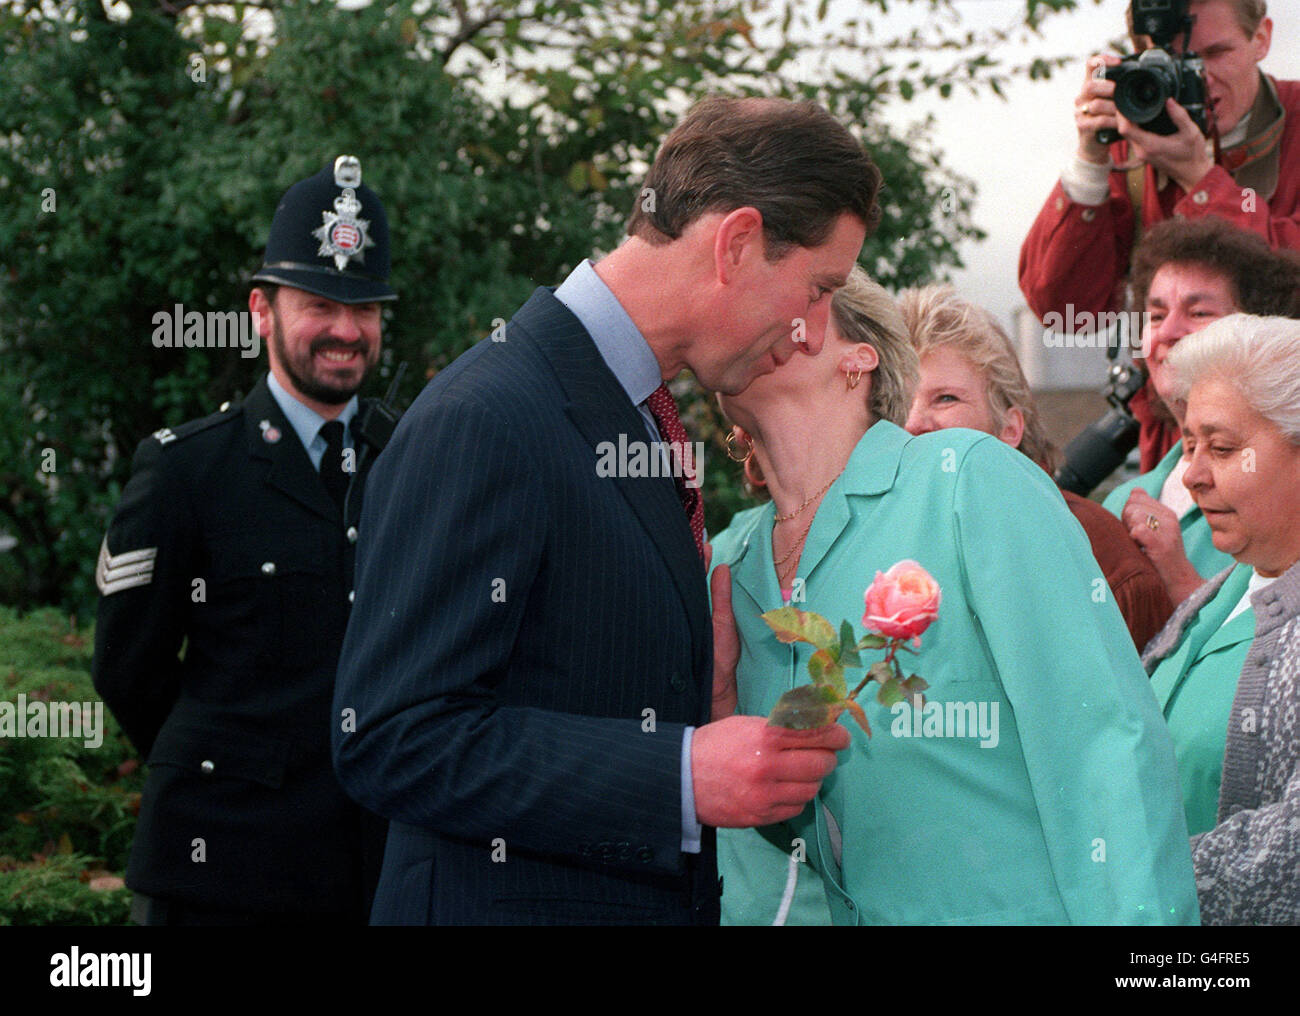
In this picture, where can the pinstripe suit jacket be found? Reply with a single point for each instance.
(528, 642)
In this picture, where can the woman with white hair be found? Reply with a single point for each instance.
(1226, 668)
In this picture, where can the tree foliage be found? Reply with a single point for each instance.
(143, 148)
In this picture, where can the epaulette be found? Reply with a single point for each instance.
(166, 435)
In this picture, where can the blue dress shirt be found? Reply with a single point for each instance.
(306, 422)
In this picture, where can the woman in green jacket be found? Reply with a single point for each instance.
(1036, 785)
(1226, 669)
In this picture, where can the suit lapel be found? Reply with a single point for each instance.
(871, 471)
(601, 411)
(1206, 632)
(1240, 629)
(289, 469)
(752, 568)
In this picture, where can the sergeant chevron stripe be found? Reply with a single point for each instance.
(116, 572)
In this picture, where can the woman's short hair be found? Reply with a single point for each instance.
(865, 312)
(936, 316)
(1256, 355)
(1263, 280)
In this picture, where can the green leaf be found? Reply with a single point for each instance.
(891, 693)
(794, 625)
(848, 646)
(826, 670)
(806, 707)
(872, 641)
(914, 685)
(880, 671)
(577, 177)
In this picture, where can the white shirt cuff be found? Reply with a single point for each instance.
(1084, 182)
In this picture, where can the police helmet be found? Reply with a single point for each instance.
(330, 237)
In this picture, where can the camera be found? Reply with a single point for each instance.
(1101, 447)
(1144, 81)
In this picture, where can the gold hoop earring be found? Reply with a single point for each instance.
(852, 379)
(732, 446)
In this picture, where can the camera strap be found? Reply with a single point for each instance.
(1136, 180)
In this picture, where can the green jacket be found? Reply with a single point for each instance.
(1195, 685)
(1197, 541)
(755, 865)
(1050, 795)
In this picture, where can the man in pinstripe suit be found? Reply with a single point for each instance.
(528, 687)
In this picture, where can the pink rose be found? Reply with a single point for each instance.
(902, 602)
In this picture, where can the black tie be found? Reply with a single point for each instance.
(331, 463)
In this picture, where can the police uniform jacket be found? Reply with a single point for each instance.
(226, 577)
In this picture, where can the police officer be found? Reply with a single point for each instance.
(225, 583)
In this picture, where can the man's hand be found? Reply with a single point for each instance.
(1094, 109)
(746, 773)
(1155, 529)
(1183, 157)
(726, 643)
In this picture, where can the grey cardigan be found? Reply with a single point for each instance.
(1248, 865)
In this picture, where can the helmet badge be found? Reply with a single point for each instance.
(343, 235)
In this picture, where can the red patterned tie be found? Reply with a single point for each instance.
(664, 410)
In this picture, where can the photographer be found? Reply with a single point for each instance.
(1078, 250)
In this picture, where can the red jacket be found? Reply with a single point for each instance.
(1079, 254)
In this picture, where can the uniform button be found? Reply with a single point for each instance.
(1261, 661)
(1200, 197)
(1060, 203)
(224, 407)
(268, 567)
(352, 595)
(207, 767)
(352, 534)
(1234, 808)
(1088, 214)
(677, 683)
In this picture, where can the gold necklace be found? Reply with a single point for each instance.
(780, 577)
(814, 497)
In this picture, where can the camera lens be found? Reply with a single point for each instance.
(1140, 95)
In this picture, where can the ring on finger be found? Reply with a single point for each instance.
(1153, 522)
